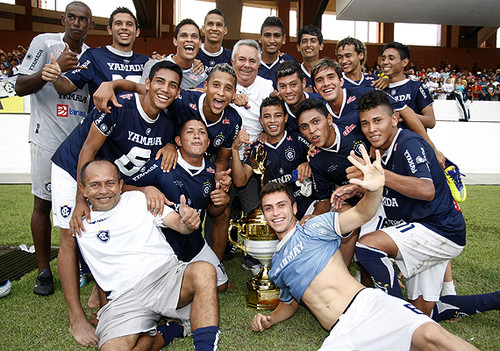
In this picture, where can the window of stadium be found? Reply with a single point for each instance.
(99, 8)
(418, 34)
(334, 29)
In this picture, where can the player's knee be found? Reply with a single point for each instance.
(203, 273)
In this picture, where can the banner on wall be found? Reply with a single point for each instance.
(9, 101)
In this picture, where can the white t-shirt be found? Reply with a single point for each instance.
(258, 91)
(125, 244)
(53, 115)
(190, 80)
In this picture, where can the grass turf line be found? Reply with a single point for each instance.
(32, 322)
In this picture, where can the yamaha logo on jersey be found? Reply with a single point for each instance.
(206, 188)
(148, 131)
(290, 154)
(65, 211)
(103, 235)
(125, 61)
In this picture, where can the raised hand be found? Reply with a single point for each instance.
(68, 60)
(189, 216)
(373, 173)
(242, 138)
(51, 71)
(103, 95)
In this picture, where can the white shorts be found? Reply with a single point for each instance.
(422, 258)
(63, 196)
(208, 255)
(40, 172)
(140, 308)
(375, 223)
(375, 321)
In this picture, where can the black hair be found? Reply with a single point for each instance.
(403, 50)
(272, 101)
(186, 120)
(81, 4)
(122, 9)
(83, 170)
(288, 68)
(183, 23)
(225, 68)
(323, 64)
(273, 187)
(167, 65)
(359, 47)
(373, 99)
(311, 30)
(311, 104)
(215, 12)
(273, 21)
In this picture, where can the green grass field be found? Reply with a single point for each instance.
(31, 322)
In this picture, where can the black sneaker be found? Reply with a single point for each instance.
(44, 283)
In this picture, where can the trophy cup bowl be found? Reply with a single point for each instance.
(260, 242)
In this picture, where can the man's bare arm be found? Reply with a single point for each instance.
(281, 313)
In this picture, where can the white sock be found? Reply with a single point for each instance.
(448, 288)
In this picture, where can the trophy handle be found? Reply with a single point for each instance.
(239, 245)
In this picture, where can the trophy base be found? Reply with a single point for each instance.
(262, 293)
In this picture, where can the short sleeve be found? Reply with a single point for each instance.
(36, 57)
(159, 219)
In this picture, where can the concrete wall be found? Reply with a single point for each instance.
(473, 145)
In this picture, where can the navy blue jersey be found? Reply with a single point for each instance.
(415, 94)
(209, 60)
(132, 137)
(365, 81)
(195, 183)
(282, 158)
(329, 164)
(269, 71)
(105, 63)
(292, 124)
(410, 155)
(307, 76)
(221, 133)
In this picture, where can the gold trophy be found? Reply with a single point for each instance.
(260, 242)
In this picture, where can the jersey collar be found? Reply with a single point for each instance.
(118, 52)
(202, 114)
(143, 114)
(398, 84)
(336, 145)
(262, 63)
(344, 98)
(192, 170)
(388, 153)
(305, 70)
(215, 54)
(287, 237)
(278, 144)
(358, 83)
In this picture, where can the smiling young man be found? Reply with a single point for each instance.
(211, 51)
(419, 224)
(187, 40)
(341, 103)
(272, 37)
(130, 259)
(53, 117)
(194, 177)
(351, 55)
(286, 154)
(291, 84)
(106, 63)
(309, 44)
(308, 268)
(128, 136)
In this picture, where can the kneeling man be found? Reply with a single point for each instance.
(124, 244)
